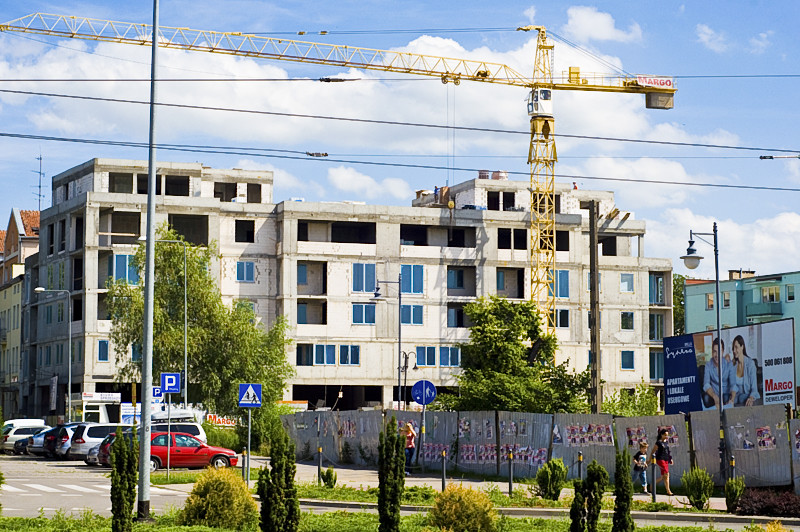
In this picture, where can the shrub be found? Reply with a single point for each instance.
(222, 437)
(220, 499)
(391, 477)
(734, 487)
(124, 464)
(306, 455)
(577, 510)
(594, 486)
(460, 509)
(280, 508)
(367, 456)
(769, 502)
(623, 494)
(698, 486)
(551, 478)
(328, 477)
(347, 453)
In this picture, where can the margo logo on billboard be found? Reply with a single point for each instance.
(772, 386)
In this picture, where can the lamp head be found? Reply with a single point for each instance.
(377, 296)
(39, 289)
(691, 260)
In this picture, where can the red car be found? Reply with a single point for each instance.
(187, 451)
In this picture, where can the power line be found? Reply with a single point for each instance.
(306, 156)
(397, 123)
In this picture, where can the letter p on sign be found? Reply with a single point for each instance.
(170, 383)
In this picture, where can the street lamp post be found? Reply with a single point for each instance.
(41, 290)
(377, 295)
(185, 341)
(692, 260)
(405, 355)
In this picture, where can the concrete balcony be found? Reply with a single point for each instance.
(763, 310)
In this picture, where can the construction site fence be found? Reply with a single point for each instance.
(762, 443)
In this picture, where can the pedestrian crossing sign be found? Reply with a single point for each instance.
(250, 395)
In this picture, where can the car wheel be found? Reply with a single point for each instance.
(220, 461)
(154, 464)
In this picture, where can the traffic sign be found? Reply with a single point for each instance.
(423, 392)
(170, 383)
(157, 392)
(250, 395)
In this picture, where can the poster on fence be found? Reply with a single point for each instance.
(757, 367)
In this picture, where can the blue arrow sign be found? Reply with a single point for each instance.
(250, 395)
(170, 383)
(423, 392)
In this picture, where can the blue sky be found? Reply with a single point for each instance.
(732, 60)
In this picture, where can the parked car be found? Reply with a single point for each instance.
(36, 442)
(91, 456)
(194, 429)
(53, 441)
(12, 433)
(104, 452)
(187, 451)
(21, 446)
(87, 435)
(24, 423)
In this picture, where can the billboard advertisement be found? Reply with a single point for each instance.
(756, 368)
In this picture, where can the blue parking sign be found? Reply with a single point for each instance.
(170, 383)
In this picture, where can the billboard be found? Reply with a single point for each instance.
(757, 368)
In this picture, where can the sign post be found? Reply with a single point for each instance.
(423, 392)
(249, 397)
(170, 383)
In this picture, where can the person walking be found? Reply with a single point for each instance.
(640, 466)
(411, 445)
(663, 457)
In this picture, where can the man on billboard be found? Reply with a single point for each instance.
(711, 377)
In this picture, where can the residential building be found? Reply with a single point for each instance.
(18, 241)
(319, 263)
(745, 298)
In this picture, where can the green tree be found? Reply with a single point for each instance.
(593, 488)
(124, 467)
(226, 345)
(391, 477)
(280, 509)
(678, 309)
(508, 363)
(577, 510)
(623, 494)
(642, 402)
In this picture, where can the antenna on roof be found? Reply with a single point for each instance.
(39, 195)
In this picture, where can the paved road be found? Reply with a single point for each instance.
(34, 483)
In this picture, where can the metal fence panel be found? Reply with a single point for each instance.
(632, 430)
(590, 434)
(441, 431)
(358, 436)
(477, 442)
(528, 436)
(705, 442)
(757, 436)
(794, 432)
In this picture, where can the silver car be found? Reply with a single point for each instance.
(11, 434)
(87, 435)
(91, 458)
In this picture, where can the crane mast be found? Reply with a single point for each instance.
(658, 90)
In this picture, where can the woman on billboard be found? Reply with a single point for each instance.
(746, 378)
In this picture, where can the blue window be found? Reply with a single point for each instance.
(102, 351)
(449, 356)
(626, 282)
(363, 277)
(626, 360)
(324, 355)
(656, 365)
(561, 282)
(501, 281)
(136, 352)
(561, 318)
(245, 272)
(426, 356)
(302, 274)
(125, 269)
(411, 314)
(455, 278)
(349, 355)
(363, 313)
(411, 276)
(302, 312)
(47, 355)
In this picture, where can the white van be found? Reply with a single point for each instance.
(17, 423)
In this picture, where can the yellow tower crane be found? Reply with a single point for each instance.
(658, 90)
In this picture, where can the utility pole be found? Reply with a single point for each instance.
(594, 310)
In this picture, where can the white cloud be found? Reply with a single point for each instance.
(793, 169)
(766, 245)
(531, 14)
(759, 44)
(714, 41)
(350, 180)
(588, 24)
(284, 182)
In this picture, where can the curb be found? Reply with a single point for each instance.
(563, 513)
